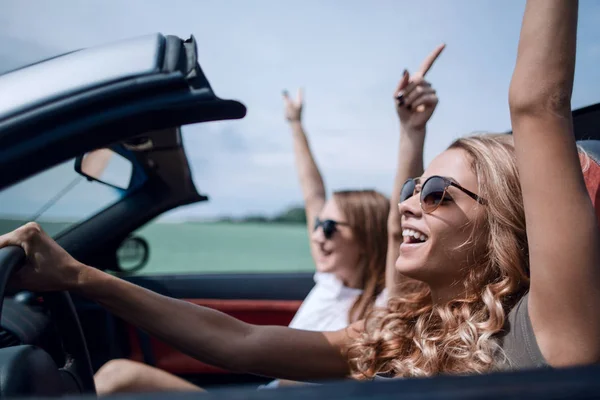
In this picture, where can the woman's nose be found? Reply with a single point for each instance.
(317, 235)
(411, 207)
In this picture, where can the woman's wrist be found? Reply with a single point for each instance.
(83, 278)
(75, 276)
(297, 127)
(410, 153)
(411, 136)
(415, 131)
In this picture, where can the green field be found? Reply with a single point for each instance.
(216, 247)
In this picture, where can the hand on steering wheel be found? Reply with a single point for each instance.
(31, 260)
(48, 267)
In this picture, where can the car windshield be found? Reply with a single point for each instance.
(57, 198)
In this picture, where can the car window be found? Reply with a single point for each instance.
(56, 198)
(217, 236)
(254, 244)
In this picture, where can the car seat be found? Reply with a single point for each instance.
(591, 170)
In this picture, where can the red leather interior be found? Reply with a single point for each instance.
(259, 312)
(591, 174)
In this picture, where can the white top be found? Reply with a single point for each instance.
(326, 308)
(327, 305)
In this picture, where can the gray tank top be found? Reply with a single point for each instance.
(517, 341)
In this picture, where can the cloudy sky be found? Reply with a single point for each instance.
(347, 54)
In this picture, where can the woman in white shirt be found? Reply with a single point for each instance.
(348, 241)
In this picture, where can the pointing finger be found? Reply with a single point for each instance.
(428, 62)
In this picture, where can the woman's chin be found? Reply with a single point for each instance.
(410, 267)
(325, 267)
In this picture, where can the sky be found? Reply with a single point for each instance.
(347, 55)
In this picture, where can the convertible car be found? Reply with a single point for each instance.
(111, 116)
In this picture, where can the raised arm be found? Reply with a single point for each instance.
(311, 181)
(564, 244)
(208, 335)
(415, 102)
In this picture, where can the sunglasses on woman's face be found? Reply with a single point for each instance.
(329, 226)
(433, 191)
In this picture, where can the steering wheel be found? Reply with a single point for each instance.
(27, 370)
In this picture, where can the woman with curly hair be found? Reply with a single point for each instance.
(500, 250)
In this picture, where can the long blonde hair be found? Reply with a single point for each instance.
(414, 337)
(366, 211)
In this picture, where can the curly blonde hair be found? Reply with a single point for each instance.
(413, 336)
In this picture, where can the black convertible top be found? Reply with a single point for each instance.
(586, 122)
(86, 99)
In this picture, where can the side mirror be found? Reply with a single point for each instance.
(132, 255)
(105, 166)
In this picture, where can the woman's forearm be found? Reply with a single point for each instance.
(311, 181)
(217, 338)
(543, 75)
(205, 334)
(409, 165)
(410, 159)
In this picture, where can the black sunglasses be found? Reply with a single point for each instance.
(329, 226)
(433, 192)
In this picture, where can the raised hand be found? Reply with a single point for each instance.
(415, 98)
(293, 109)
(415, 102)
(311, 181)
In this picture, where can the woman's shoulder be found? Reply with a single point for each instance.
(326, 307)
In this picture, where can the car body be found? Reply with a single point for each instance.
(132, 97)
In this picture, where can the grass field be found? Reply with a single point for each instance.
(215, 247)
